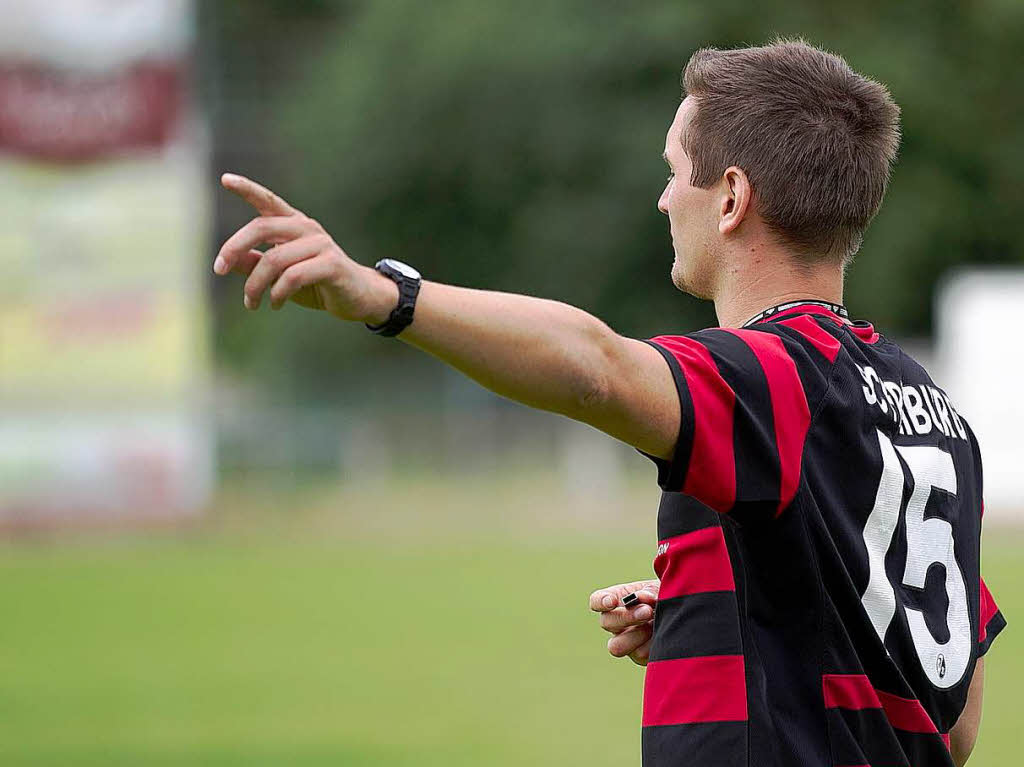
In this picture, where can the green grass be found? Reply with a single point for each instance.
(289, 645)
(311, 654)
(1003, 568)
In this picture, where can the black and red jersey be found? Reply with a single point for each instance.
(821, 602)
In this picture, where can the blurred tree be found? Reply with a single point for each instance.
(516, 146)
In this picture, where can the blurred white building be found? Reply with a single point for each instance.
(980, 359)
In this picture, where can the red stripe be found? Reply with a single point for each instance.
(711, 475)
(989, 608)
(821, 339)
(694, 563)
(945, 739)
(855, 692)
(906, 714)
(789, 407)
(852, 691)
(688, 690)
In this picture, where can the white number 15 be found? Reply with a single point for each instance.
(929, 541)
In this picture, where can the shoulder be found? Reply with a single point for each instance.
(785, 361)
(795, 355)
(804, 342)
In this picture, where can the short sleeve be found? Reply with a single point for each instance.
(991, 622)
(746, 402)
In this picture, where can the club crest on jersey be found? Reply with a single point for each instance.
(915, 409)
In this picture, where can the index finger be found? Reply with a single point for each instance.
(261, 198)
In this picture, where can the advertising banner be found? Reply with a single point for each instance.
(103, 318)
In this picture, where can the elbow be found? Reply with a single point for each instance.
(597, 381)
(591, 393)
(594, 364)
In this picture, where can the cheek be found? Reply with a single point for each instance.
(679, 203)
(694, 208)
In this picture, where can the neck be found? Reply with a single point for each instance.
(743, 295)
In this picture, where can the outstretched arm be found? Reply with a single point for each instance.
(543, 353)
(551, 356)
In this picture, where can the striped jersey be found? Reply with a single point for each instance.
(821, 602)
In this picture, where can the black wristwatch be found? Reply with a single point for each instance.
(408, 281)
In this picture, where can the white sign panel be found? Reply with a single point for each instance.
(980, 355)
(103, 317)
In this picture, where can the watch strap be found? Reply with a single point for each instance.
(401, 316)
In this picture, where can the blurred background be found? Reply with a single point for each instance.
(236, 538)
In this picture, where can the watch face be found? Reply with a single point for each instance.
(405, 269)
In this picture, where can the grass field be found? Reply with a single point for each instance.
(305, 638)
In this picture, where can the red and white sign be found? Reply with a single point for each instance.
(55, 114)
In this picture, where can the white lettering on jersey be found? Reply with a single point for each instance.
(919, 417)
(913, 409)
(879, 598)
(929, 542)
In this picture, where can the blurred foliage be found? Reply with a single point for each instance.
(516, 146)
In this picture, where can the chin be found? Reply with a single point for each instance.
(679, 281)
(691, 281)
(684, 282)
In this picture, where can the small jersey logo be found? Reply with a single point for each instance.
(940, 666)
(662, 548)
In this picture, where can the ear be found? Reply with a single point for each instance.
(737, 195)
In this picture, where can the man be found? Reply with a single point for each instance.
(819, 600)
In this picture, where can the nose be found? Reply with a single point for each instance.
(663, 201)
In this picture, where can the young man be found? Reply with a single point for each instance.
(819, 599)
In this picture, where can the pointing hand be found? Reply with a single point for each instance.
(303, 264)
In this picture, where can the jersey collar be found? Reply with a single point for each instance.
(796, 307)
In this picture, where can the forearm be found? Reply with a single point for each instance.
(543, 353)
(964, 734)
